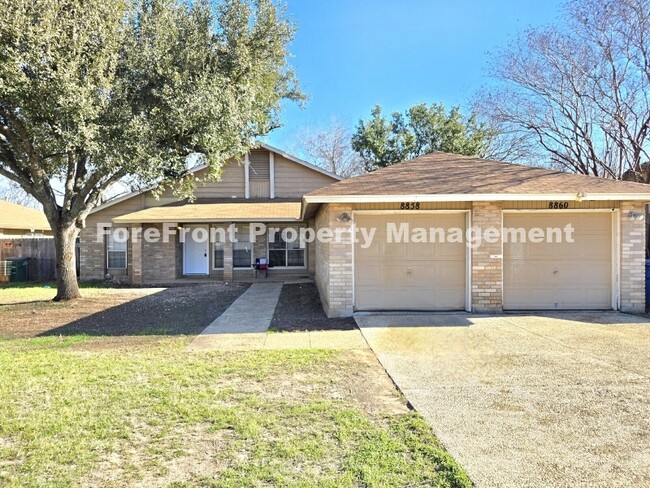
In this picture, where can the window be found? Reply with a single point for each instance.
(218, 251)
(116, 249)
(242, 250)
(285, 254)
(259, 165)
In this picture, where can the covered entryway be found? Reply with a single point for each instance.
(559, 275)
(196, 260)
(408, 275)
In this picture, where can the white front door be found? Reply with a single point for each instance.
(195, 251)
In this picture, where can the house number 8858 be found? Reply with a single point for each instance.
(409, 206)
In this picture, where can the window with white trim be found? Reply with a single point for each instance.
(242, 250)
(116, 249)
(286, 253)
(217, 255)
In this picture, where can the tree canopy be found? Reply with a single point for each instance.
(95, 91)
(330, 148)
(580, 89)
(382, 141)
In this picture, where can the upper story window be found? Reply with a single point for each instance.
(259, 173)
(260, 168)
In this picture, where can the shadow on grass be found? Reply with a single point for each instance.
(173, 311)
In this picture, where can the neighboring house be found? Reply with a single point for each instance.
(265, 188)
(19, 221)
(602, 269)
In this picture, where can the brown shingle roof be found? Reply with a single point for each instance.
(211, 211)
(451, 174)
(14, 216)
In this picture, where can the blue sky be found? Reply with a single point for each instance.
(351, 55)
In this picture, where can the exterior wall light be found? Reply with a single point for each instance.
(344, 217)
(632, 215)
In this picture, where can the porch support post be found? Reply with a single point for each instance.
(227, 258)
(136, 254)
(271, 174)
(247, 180)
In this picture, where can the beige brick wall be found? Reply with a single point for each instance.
(158, 258)
(311, 252)
(632, 258)
(487, 260)
(92, 253)
(136, 254)
(322, 256)
(334, 271)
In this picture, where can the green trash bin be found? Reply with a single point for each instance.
(19, 269)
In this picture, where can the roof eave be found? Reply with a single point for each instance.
(474, 197)
(135, 220)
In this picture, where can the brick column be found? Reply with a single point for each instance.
(632, 258)
(227, 258)
(136, 254)
(334, 273)
(487, 259)
(311, 252)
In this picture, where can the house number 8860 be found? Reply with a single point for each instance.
(558, 205)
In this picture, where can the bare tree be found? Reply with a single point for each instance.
(580, 90)
(330, 148)
(12, 192)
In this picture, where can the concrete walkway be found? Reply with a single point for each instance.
(244, 326)
(527, 400)
(245, 321)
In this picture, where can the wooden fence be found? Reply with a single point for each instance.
(39, 249)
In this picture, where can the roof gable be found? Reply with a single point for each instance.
(197, 169)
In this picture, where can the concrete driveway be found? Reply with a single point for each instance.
(527, 400)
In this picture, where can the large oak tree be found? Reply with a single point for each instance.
(96, 91)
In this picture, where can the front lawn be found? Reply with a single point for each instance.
(92, 410)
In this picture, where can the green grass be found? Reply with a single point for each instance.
(82, 411)
(11, 293)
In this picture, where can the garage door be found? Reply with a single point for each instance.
(410, 275)
(559, 276)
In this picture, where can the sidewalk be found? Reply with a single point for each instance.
(244, 326)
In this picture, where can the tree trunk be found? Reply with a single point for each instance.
(66, 267)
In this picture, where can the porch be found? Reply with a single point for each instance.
(198, 243)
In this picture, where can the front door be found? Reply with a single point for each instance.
(195, 251)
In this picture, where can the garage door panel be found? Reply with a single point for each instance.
(392, 250)
(450, 250)
(564, 275)
(410, 275)
(526, 272)
(371, 276)
(558, 298)
(448, 274)
(374, 251)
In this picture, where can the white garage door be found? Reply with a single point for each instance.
(410, 275)
(559, 276)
